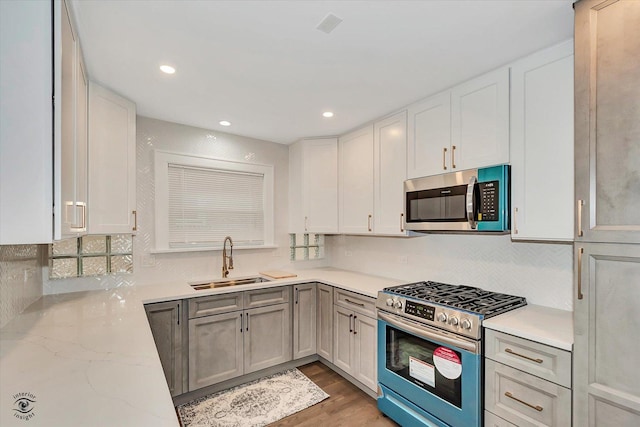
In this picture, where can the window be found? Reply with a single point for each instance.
(306, 246)
(201, 200)
(91, 256)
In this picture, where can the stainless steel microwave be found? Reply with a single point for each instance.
(469, 200)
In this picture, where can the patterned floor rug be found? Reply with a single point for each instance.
(254, 404)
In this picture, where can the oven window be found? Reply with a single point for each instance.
(413, 359)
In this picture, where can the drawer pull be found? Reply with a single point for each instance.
(511, 396)
(359, 304)
(508, 350)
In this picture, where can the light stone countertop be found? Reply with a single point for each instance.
(537, 323)
(88, 358)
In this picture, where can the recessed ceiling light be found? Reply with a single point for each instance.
(167, 69)
(225, 123)
(327, 114)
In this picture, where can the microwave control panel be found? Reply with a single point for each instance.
(489, 201)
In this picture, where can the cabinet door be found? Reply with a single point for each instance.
(304, 320)
(365, 332)
(25, 134)
(429, 132)
(606, 380)
(343, 339)
(112, 162)
(320, 185)
(542, 145)
(480, 121)
(267, 337)
(164, 319)
(607, 122)
(215, 349)
(390, 171)
(324, 324)
(356, 182)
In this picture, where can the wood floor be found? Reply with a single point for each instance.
(347, 406)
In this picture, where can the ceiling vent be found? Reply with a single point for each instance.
(329, 23)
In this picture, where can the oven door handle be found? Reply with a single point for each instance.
(429, 333)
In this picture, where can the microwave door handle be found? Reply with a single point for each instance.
(471, 209)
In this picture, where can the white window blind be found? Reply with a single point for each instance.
(207, 204)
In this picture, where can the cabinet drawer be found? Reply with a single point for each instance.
(538, 359)
(269, 296)
(523, 399)
(355, 302)
(492, 420)
(214, 304)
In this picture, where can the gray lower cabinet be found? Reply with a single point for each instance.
(267, 337)
(236, 340)
(215, 349)
(304, 320)
(324, 322)
(167, 326)
(354, 344)
(527, 383)
(607, 339)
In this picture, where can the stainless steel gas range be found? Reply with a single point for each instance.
(429, 351)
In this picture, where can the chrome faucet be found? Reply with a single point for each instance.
(226, 267)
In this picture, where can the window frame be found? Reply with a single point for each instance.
(162, 159)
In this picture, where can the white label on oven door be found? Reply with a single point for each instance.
(422, 371)
(447, 363)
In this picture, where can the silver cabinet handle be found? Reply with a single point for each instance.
(580, 252)
(354, 324)
(453, 157)
(580, 204)
(369, 222)
(402, 223)
(444, 158)
(536, 407)
(83, 221)
(135, 220)
(515, 222)
(353, 302)
(508, 350)
(350, 319)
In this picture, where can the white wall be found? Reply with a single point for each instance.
(154, 134)
(20, 279)
(541, 272)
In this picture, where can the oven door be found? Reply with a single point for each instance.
(425, 371)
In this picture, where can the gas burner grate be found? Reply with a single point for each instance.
(464, 297)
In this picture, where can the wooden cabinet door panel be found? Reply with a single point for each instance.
(304, 320)
(343, 339)
(267, 337)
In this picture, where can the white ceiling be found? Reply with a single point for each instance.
(265, 67)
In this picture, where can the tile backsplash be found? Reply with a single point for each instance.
(20, 278)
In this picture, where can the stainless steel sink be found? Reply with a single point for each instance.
(228, 282)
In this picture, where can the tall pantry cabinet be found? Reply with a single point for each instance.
(606, 389)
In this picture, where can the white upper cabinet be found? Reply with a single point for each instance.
(70, 125)
(373, 168)
(313, 186)
(43, 190)
(480, 121)
(390, 172)
(429, 132)
(356, 181)
(112, 162)
(462, 128)
(26, 149)
(542, 179)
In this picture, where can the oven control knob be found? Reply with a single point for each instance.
(466, 323)
(442, 317)
(397, 304)
(453, 321)
(390, 302)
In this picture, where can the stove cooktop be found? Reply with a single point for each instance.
(468, 298)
